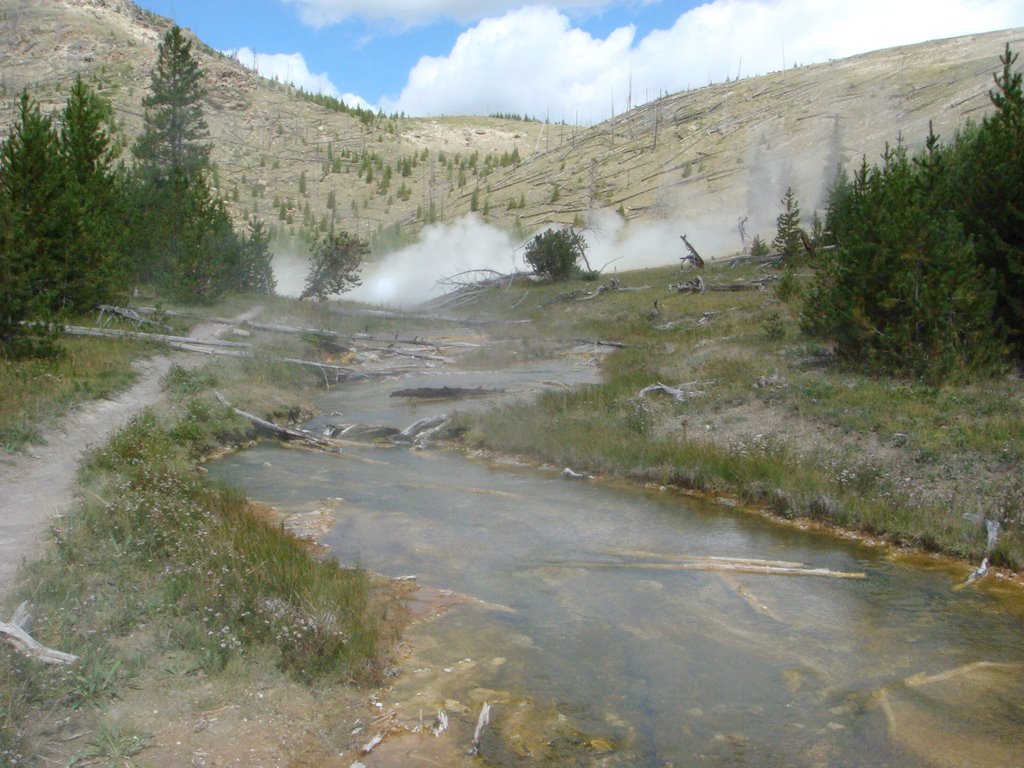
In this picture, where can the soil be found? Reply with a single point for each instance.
(249, 717)
(39, 486)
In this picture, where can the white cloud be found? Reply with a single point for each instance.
(533, 60)
(322, 13)
(292, 68)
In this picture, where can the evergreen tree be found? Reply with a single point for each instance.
(173, 137)
(31, 195)
(93, 201)
(182, 231)
(257, 272)
(556, 253)
(985, 187)
(334, 265)
(903, 292)
(787, 238)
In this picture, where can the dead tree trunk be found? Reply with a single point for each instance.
(693, 257)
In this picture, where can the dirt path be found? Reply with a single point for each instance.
(38, 486)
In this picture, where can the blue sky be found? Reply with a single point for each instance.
(573, 60)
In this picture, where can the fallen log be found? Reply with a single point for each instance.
(419, 429)
(407, 353)
(278, 430)
(445, 393)
(15, 633)
(482, 722)
(602, 343)
(690, 286)
(113, 333)
(128, 314)
(677, 393)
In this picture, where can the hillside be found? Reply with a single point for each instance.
(701, 159)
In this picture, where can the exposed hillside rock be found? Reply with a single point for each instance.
(703, 158)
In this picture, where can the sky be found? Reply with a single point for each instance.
(577, 61)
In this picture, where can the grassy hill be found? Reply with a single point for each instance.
(702, 159)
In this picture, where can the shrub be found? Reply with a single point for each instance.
(556, 253)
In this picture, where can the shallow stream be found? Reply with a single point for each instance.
(613, 625)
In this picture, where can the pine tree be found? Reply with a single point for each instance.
(787, 238)
(31, 195)
(986, 188)
(172, 141)
(183, 232)
(334, 265)
(92, 201)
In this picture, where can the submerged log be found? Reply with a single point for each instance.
(445, 393)
(724, 564)
(360, 432)
(419, 430)
(278, 430)
(482, 721)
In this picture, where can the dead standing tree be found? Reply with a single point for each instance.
(692, 257)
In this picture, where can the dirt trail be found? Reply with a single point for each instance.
(38, 486)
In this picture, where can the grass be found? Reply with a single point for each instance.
(777, 423)
(37, 392)
(154, 550)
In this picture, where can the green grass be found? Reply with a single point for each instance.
(153, 548)
(748, 357)
(37, 392)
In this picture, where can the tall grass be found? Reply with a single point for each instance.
(154, 544)
(729, 342)
(37, 392)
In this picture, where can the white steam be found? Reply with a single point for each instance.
(412, 275)
(417, 273)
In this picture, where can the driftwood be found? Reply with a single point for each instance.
(360, 432)
(418, 432)
(678, 393)
(278, 430)
(570, 474)
(482, 722)
(445, 393)
(15, 633)
(992, 529)
(441, 724)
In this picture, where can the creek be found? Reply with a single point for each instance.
(614, 625)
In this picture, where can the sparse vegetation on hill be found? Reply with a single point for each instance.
(733, 145)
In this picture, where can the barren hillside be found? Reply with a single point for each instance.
(702, 159)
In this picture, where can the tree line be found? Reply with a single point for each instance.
(926, 276)
(81, 226)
